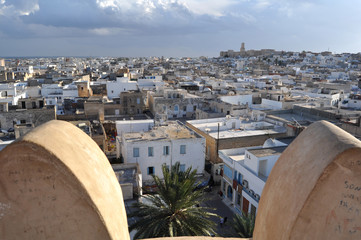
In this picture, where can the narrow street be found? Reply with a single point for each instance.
(213, 200)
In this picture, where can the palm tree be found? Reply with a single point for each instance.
(244, 225)
(174, 210)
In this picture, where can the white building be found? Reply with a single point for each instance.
(332, 96)
(352, 102)
(150, 82)
(12, 92)
(70, 91)
(238, 99)
(129, 126)
(122, 84)
(163, 145)
(245, 172)
(25, 69)
(52, 93)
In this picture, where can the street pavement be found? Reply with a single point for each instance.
(213, 200)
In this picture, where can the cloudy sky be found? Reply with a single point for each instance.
(176, 27)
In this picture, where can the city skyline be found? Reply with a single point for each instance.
(175, 28)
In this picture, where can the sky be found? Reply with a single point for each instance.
(176, 28)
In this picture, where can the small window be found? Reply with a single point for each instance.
(22, 121)
(166, 150)
(239, 178)
(183, 149)
(239, 199)
(135, 152)
(150, 152)
(194, 108)
(182, 167)
(184, 108)
(138, 100)
(150, 170)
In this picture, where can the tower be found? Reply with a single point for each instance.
(242, 48)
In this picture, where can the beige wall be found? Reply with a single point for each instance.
(57, 184)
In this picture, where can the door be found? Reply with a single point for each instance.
(245, 205)
(230, 192)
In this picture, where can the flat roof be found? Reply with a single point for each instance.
(134, 121)
(267, 151)
(171, 131)
(237, 133)
(247, 128)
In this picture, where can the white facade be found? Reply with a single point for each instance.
(70, 91)
(33, 92)
(123, 84)
(245, 172)
(25, 69)
(238, 99)
(48, 90)
(153, 149)
(150, 82)
(332, 98)
(11, 93)
(134, 126)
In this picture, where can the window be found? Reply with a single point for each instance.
(182, 167)
(239, 178)
(235, 175)
(22, 121)
(227, 171)
(138, 100)
(135, 152)
(185, 108)
(176, 108)
(166, 150)
(182, 149)
(150, 170)
(239, 199)
(150, 152)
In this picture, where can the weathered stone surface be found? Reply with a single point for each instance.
(314, 189)
(55, 183)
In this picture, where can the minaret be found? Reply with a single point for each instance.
(242, 48)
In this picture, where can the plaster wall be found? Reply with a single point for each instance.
(53, 187)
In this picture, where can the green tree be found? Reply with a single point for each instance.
(244, 225)
(174, 210)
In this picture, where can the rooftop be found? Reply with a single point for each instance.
(267, 151)
(171, 131)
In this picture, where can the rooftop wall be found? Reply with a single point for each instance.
(56, 183)
(314, 189)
